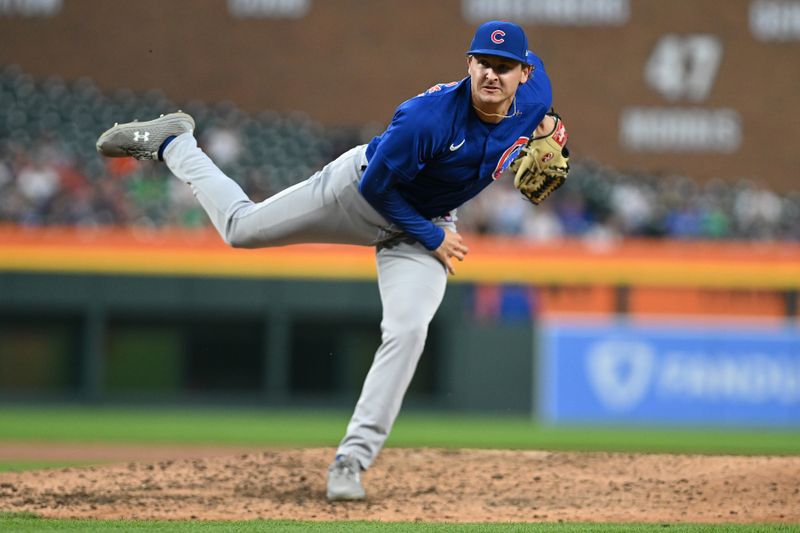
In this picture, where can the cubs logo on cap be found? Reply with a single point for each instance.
(499, 38)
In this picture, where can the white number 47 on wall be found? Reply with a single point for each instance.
(684, 66)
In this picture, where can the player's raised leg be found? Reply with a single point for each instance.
(327, 207)
(412, 284)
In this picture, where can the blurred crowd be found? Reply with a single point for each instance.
(601, 204)
(50, 174)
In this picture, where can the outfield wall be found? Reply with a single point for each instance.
(134, 315)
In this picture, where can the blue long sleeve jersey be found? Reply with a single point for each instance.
(436, 154)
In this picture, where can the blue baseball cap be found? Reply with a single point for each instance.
(499, 38)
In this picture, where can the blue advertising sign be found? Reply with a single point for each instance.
(690, 374)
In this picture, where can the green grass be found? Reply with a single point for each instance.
(30, 524)
(19, 466)
(324, 428)
(238, 427)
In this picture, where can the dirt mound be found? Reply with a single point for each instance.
(430, 485)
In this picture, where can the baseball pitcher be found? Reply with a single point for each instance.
(399, 193)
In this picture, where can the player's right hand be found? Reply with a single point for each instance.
(452, 246)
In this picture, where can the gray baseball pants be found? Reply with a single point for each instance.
(328, 208)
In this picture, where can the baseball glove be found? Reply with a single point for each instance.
(543, 163)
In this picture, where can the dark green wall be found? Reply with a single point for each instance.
(102, 338)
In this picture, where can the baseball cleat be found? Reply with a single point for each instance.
(143, 140)
(344, 479)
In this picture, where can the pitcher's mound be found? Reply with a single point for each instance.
(430, 485)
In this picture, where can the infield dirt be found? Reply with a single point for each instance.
(431, 485)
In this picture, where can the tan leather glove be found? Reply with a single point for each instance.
(543, 163)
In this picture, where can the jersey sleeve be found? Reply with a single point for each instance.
(377, 187)
(409, 140)
(401, 153)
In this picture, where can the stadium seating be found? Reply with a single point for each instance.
(51, 174)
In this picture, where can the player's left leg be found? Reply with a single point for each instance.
(327, 207)
(412, 284)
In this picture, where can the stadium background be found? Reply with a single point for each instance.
(682, 210)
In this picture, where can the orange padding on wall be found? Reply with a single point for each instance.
(656, 263)
(753, 302)
(643, 300)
